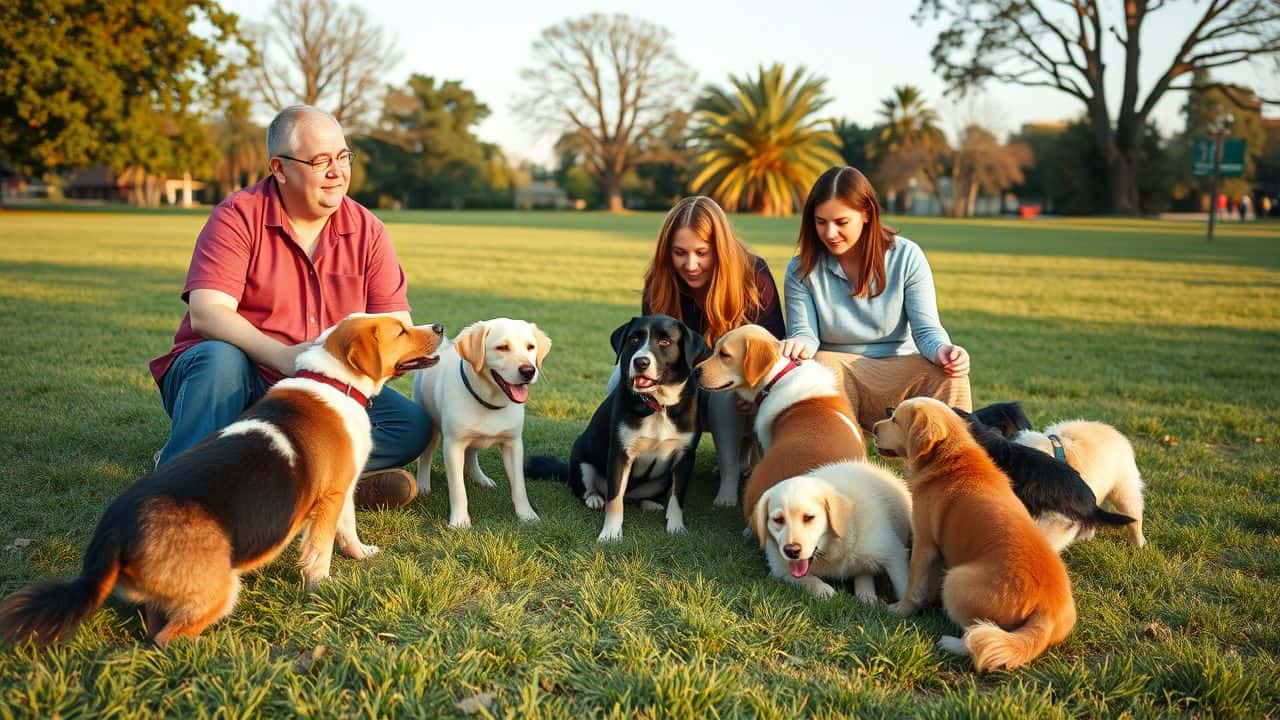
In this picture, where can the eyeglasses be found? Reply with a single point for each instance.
(321, 164)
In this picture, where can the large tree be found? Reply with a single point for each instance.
(1060, 45)
(112, 83)
(761, 142)
(910, 143)
(611, 82)
(423, 150)
(981, 162)
(322, 53)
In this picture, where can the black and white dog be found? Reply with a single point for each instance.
(1046, 485)
(641, 441)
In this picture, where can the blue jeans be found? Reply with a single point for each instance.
(209, 386)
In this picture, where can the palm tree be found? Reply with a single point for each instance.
(759, 143)
(910, 142)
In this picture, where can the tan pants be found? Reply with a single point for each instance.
(874, 385)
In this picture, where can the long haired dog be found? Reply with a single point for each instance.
(1055, 494)
(179, 538)
(847, 520)
(802, 423)
(1006, 417)
(476, 398)
(1105, 460)
(1003, 584)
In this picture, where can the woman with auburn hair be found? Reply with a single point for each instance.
(860, 300)
(705, 277)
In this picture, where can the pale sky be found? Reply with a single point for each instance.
(863, 48)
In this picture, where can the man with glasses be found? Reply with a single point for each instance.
(275, 265)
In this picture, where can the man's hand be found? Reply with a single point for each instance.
(285, 359)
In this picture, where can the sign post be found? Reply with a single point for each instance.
(1218, 158)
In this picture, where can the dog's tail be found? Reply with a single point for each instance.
(993, 647)
(545, 466)
(1110, 519)
(43, 612)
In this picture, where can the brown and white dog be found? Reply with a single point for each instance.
(802, 422)
(179, 538)
(476, 398)
(1004, 585)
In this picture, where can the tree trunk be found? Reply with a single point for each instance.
(612, 186)
(1123, 176)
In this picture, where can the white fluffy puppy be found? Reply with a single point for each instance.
(475, 396)
(1104, 458)
(847, 519)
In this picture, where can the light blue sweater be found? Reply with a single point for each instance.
(900, 321)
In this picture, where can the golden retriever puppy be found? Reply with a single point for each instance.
(850, 519)
(1004, 585)
(1104, 458)
(802, 420)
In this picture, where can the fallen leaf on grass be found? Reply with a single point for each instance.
(303, 661)
(475, 703)
(1169, 441)
(1157, 631)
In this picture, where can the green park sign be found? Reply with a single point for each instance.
(1232, 164)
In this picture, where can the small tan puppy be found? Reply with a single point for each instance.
(1105, 460)
(802, 421)
(850, 519)
(475, 396)
(1004, 585)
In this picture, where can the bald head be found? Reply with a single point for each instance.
(281, 133)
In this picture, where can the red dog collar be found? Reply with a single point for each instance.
(769, 387)
(345, 388)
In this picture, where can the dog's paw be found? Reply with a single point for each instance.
(902, 609)
(484, 481)
(651, 506)
(869, 598)
(462, 522)
(725, 500)
(595, 502)
(314, 579)
(609, 536)
(676, 528)
(953, 645)
(823, 591)
(527, 515)
(366, 551)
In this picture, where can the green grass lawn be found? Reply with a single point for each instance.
(1137, 323)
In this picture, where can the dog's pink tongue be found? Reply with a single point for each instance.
(519, 393)
(799, 568)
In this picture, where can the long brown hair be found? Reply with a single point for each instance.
(732, 296)
(853, 189)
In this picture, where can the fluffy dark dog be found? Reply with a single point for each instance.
(1044, 484)
(1006, 417)
(641, 441)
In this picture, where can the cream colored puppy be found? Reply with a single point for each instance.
(848, 519)
(475, 396)
(1104, 458)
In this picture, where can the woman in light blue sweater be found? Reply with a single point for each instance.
(860, 300)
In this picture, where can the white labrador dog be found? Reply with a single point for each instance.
(475, 396)
(847, 519)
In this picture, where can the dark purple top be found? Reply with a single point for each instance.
(770, 317)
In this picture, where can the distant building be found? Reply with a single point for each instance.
(541, 195)
(102, 183)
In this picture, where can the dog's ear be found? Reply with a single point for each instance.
(758, 356)
(618, 336)
(839, 511)
(470, 344)
(544, 345)
(925, 432)
(363, 349)
(760, 517)
(695, 346)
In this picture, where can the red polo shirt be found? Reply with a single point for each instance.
(247, 250)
